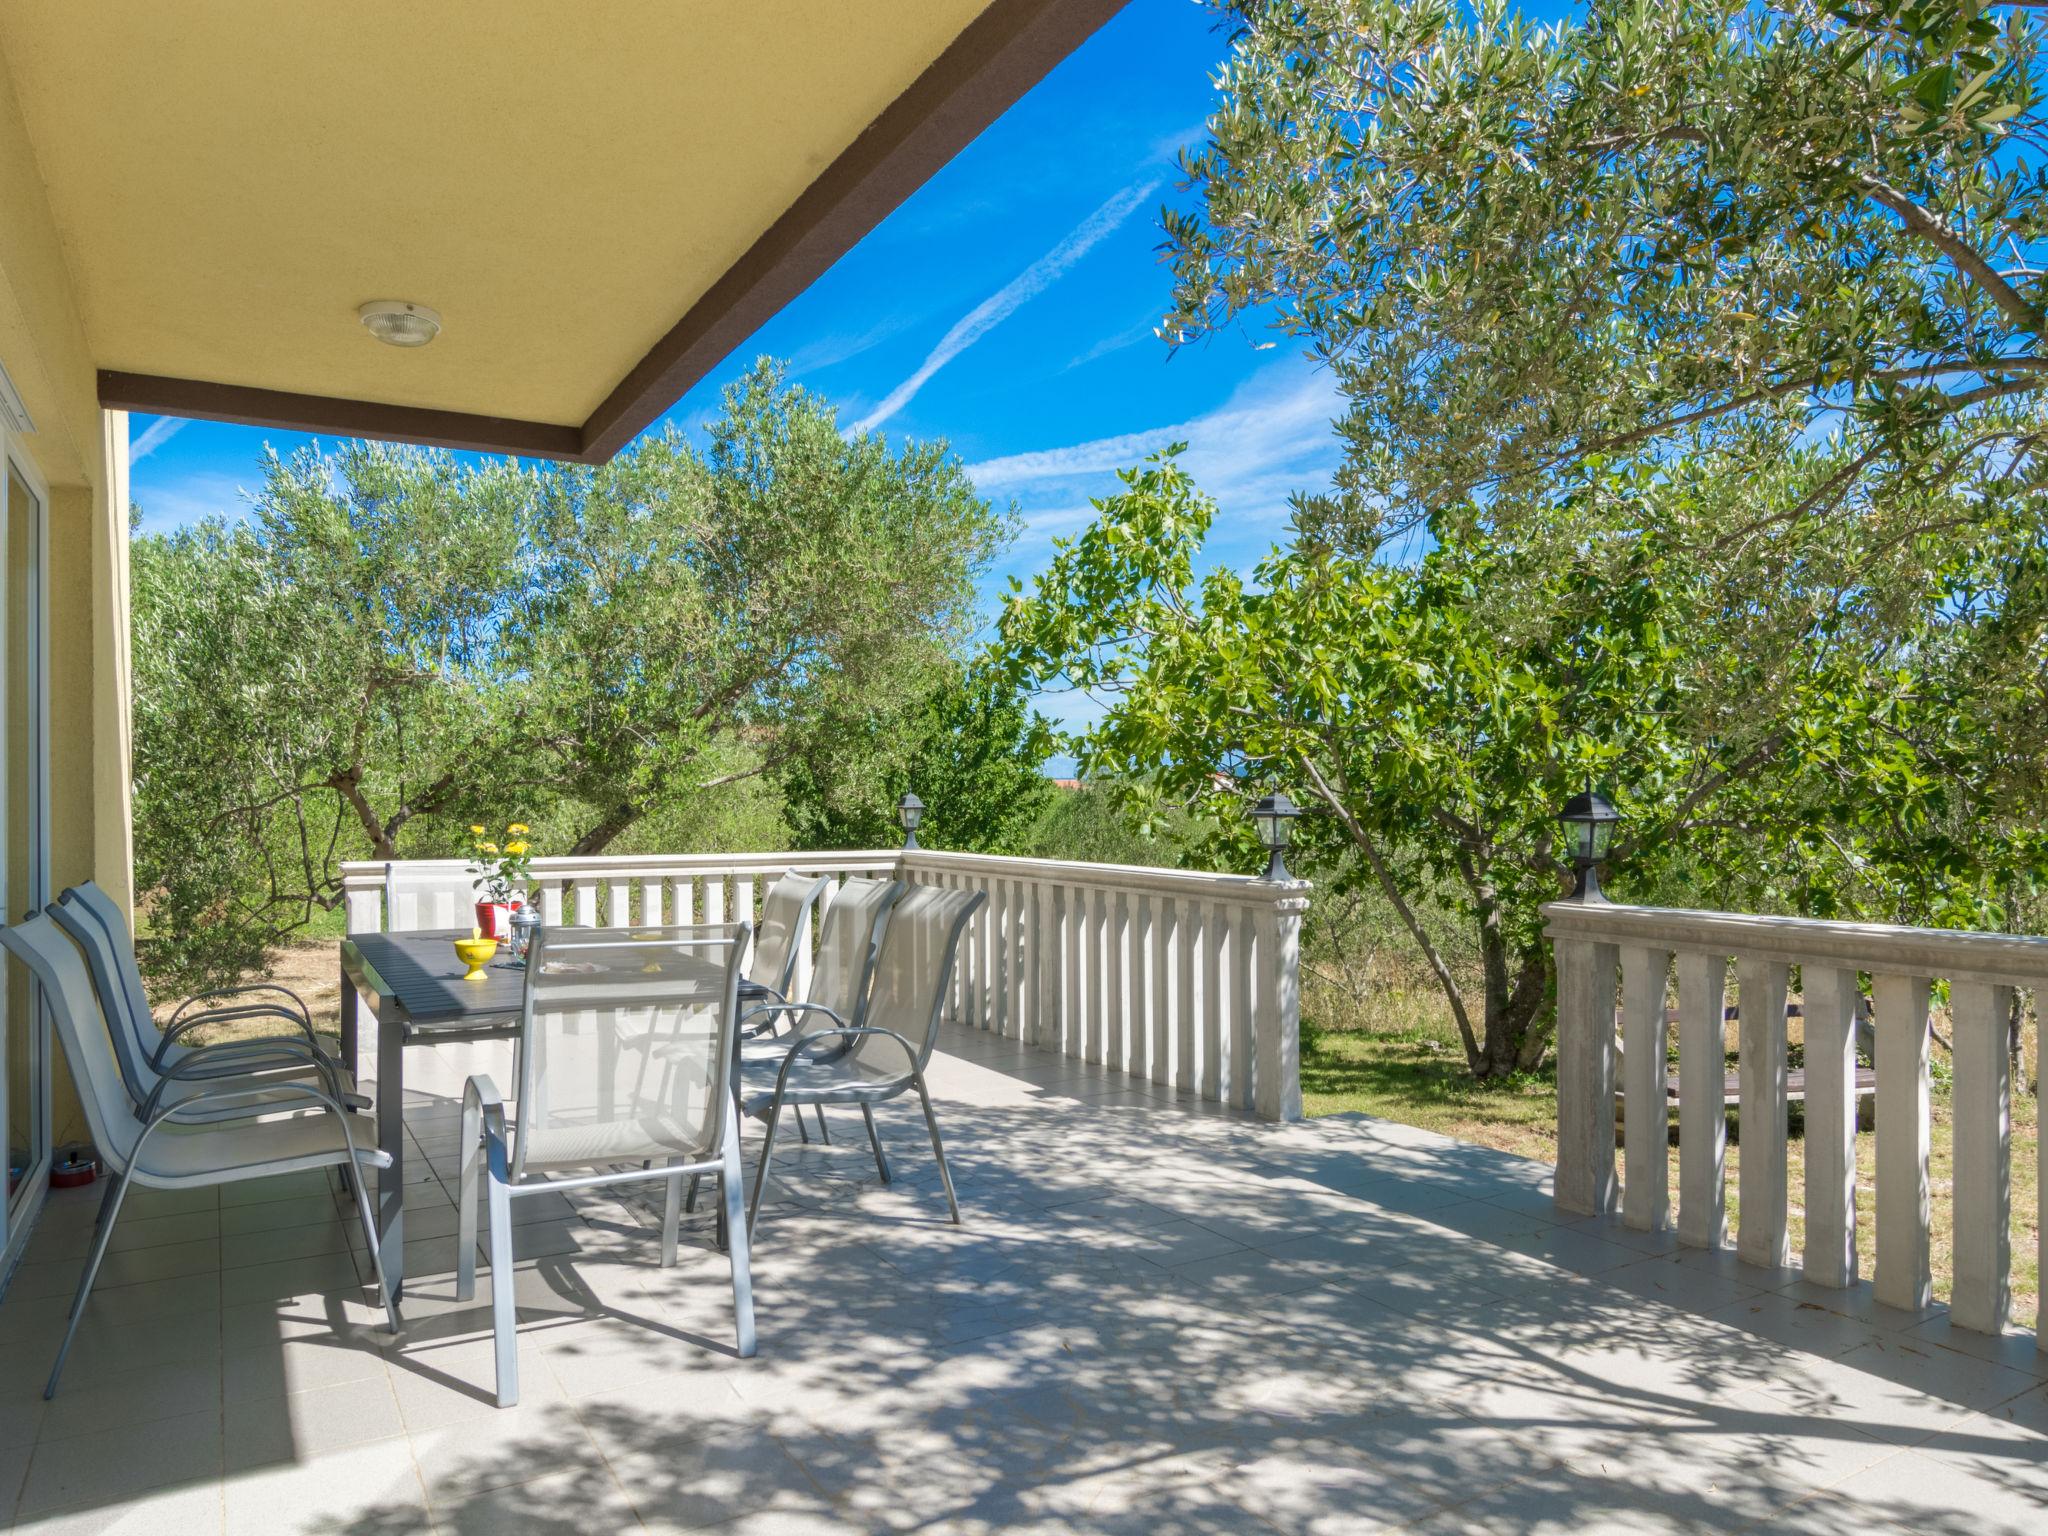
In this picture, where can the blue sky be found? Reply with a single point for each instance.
(1007, 307)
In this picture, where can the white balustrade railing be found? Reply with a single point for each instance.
(1178, 977)
(1594, 941)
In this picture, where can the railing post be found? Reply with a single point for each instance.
(1585, 1076)
(1702, 1113)
(1276, 1009)
(1830, 995)
(1982, 1295)
(1762, 1234)
(1904, 1278)
(1645, 1048)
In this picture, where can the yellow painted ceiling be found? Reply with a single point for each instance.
(231, 178)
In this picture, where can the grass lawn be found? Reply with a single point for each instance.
(1415, 1073)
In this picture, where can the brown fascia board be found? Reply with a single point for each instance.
(1001, 54)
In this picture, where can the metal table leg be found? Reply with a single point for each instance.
(391, 1139)
(349, 1004)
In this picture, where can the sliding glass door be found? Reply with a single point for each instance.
(24, 839)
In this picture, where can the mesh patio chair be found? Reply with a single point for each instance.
(158, 1145)
(786, 908)
(884, 1054)
(144, 1052)
(86, 908)
(626, 1052)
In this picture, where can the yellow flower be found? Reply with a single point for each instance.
(477, 831)
(515, 848)
(519, 828)
(487, 847)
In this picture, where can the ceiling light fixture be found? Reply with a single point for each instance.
(400, 324)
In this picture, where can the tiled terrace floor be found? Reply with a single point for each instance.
(1155, 1321)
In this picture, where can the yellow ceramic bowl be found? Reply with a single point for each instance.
(476, 954)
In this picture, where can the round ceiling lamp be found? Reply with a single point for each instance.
(400, 324)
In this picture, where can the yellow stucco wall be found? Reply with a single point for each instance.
(82, 453)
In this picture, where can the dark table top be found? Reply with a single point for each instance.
(420, 973)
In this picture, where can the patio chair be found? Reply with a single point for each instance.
(884, 1055)
(85, 904)
(144, 1051)
(161, 1146)
(786, 909)
(626, 1050)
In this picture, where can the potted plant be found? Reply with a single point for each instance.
(502, 874)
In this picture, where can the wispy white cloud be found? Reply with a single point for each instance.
(1012, 296)
(190, 499)
(158, 432)
(1115, 342)
(1271, 438)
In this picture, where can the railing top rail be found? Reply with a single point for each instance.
(1999, 958)
(1135, 877)
(365, 874)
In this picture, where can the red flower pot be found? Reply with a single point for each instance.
(494, 920)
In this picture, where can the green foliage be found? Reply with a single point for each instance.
(1660, 226)
(972, 749)
(395, 645)
(1437, 715)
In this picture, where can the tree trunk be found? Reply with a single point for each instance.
(1517, 987)
(600, 837)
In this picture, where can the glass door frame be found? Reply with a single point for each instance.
(18, 1210)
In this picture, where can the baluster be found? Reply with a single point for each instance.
(618, 911)
(1761, 1235)
(1585, 1076)
(1645, 1189)
(1241, 960)
(1982, 1295)
(1096, 940)
(743, 899)
(1215, 935)
(1165, 991)
(1829, 998)
(686, 899)
(551, 904)
(1073, 903)
(1904, 1278)
(650, 902)
(1702, 1113)
(1138, 988)
(1187, 940)
(1022, 962)
(1002, 973)
(1116, 1027)
(586, 902)
(714, 899)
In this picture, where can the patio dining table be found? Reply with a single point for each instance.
(414, 985)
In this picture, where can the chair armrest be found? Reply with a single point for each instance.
(216, 1063)
(247, 989)
(229, 1015)
(373, 1157)
(483, 1113)
(844, 1033)
(791, 1008)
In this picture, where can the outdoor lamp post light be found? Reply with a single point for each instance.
(909, 811)
(1274, 816)
(1591, 822)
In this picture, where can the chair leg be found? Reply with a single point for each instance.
(504, 1302)
(867, 1112)
(802, 1129)
(690, 1201)
(671, 1221)
(92, 1269)
(761, 1173)
(938, 1147)
(737, 1250)
(824, 1131)
(465, 1205)
(369, 1220)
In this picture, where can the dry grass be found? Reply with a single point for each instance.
(1400, 1058)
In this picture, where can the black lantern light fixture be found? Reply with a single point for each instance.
(1274, 816)
(909, 811)
(1589, 822)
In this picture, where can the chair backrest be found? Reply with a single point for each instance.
(68, 993)
(914, 971)
(626, 1044)
(437, 893)
(96, 926)
(785, 915)
(845, 962)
